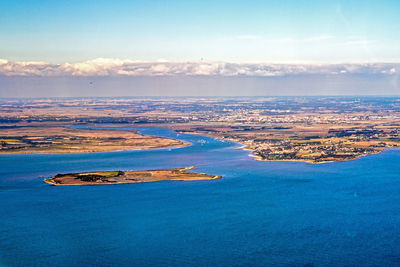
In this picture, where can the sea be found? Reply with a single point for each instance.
(261, 213)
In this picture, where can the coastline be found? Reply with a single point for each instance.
(185, 144)
(128, 177)
(257, 157)
(182, 144)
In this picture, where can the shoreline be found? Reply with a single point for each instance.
(186, 144)
(138, 131)
(258, 158)
(129, 177)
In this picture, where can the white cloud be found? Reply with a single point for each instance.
(119, 67)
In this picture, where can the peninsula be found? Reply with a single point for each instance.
(49, 138)
(125, 177)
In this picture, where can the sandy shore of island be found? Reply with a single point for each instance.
(124, 177)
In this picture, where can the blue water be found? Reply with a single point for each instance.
(260, 213)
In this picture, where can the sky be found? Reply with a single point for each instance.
(120, 38)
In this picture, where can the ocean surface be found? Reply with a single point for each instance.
(259, 213)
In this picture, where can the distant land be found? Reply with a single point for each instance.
(309, 129)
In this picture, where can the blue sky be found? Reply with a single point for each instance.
(234, 31)
(84, 48)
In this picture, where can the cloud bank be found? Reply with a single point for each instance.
(126, 68)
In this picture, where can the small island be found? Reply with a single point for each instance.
(125, 177)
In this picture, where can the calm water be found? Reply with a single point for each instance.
(260, 213)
